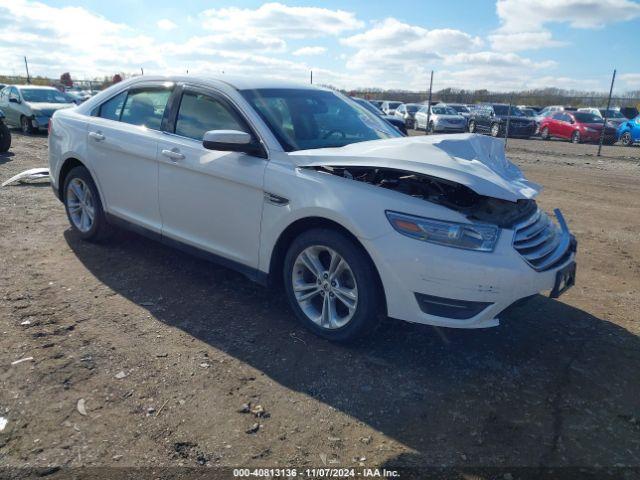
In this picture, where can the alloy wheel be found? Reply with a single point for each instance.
(25, 125)
(544, 133)
(472, 127)
(80, 204)
(575, 137)
(495, 130)
(626, 139)
(325, 287)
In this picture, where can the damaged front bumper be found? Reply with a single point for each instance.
(448, 287)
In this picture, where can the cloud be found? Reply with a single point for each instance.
(306, 51)
(523, 23)
(281, 21)
(530, 15)
(631, 79)
(166, 24)
(495, 60)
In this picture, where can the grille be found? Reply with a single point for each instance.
(541, 242)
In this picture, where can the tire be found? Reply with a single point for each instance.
(575, 137)
(5, 138)
(495, 130)
(313, 251)
(472, 126)
(430, 129)
(626, 139)
(417, 125)
(94, 229)
(26, 125)
(544, 133)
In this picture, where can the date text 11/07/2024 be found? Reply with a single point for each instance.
(315, 473)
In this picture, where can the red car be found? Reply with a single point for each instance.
(576, 126)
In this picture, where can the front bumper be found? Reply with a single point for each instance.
(424, 281)
(40, 121)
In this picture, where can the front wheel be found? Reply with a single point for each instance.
(331, 285)
(5, 138)
(472, 127)
(495, 130)
(83, 206)
(626, 139)
(26, 125)
(544, 133)
(575, 137)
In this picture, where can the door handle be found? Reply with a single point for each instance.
(96, 136)
(173, 154)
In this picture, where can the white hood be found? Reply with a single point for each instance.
(475, 161)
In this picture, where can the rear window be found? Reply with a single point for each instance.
(145, 107)
(112, 109)
(584, 117)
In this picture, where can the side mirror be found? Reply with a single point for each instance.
(230, 141)
(14, 100)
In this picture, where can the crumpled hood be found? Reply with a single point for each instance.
(475, 161)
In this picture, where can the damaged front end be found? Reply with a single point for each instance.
(449, 194)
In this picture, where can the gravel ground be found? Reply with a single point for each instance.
(144, 356)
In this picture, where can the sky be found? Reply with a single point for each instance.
(498, 45)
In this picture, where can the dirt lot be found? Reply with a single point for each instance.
(164, 350)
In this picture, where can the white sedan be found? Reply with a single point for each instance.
(301, 186)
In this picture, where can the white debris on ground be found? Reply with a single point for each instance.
(3, 423)
(30, 175)
(26, 359)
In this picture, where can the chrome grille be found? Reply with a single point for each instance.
(541, 242)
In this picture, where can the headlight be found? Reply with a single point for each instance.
(482, 238)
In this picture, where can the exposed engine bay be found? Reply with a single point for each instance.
(455, 196)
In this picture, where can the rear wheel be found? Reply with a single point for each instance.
(544, 133)
(575, 137)
(431, 128)
(26, 125)
(472, 126)
(495, 130)
(83, 206)
(331, 285)
(626, 139)
(5, 138)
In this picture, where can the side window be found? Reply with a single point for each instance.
(200, 113)
(13, 93)
(112, 108)
(557, 116)
(145, 107)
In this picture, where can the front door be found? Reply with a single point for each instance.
(209, 199)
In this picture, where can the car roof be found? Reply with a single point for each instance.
(236, 82)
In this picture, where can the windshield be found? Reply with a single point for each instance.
(412, 108)
(443, 111)
(528, 112)
(394, 104)
(366, 104)
(460, 108)
(504, 109)
(612, 114)
(584, 117)
(41, 95)
(304, 119)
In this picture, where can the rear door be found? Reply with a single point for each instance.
(122, 145)
(209, 199)
(483, 122)
(554, 124)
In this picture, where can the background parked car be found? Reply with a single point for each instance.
(30, 107)
(492, 118)
(5, 135)
(529, 112)
(462, 110)
(630, 112)
(406, 112)
(576, 126)
(376, 103)
(392, 119)
(442, 119)
(389, 106)
(629, 132)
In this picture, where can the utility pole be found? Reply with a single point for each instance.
(506, 131)
(26, 66)
(141, 71)
(426, 130)
(604, 125)
(311, 76)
